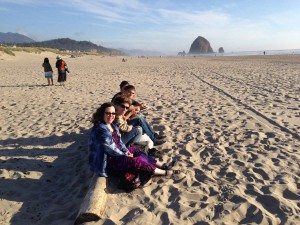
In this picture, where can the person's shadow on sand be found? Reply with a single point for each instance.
(24, 85)
(47, 192)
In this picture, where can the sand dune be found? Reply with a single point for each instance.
(233, 122)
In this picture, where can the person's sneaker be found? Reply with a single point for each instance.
(159, 141)
(161, 136)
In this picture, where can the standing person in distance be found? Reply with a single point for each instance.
(62, 69)
(48, 71)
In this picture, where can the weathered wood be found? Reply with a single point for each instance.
(93, 205)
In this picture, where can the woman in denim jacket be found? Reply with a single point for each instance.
(108, 153)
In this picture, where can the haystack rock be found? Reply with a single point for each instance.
(200, 46)
(221, 50)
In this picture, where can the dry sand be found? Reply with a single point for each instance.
(233, 122)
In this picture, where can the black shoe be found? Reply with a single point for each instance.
(161, 137)
(159, 141)
(154, 153)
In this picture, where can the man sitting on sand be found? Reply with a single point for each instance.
(135, 118)
(136, 107)
(129, 134)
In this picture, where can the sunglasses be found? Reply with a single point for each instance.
(110, 113)
(124, 107)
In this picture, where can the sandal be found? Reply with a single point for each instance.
(167, 166)
(173, 172)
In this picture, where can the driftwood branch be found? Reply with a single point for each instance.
(93, 205)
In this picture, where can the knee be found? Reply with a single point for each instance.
(140, 120)
(139, 130)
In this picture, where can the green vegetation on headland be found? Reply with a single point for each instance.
(10, 50)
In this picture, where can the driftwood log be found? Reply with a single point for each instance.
(93, 205)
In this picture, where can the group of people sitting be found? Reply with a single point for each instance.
(117, 125)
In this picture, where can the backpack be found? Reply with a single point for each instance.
(62, 65)
(133, 180)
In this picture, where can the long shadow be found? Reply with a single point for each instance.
(25, 85)
(48, 192)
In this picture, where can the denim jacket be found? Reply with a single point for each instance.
(101, 145)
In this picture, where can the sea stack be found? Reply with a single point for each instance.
(221, 50)
(200, 46)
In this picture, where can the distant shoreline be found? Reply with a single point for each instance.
(254, 53)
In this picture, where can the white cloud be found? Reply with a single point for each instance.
(194, 17)
(119, 11)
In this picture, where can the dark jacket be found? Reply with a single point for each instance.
(47, 67)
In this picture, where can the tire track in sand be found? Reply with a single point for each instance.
(250, 110)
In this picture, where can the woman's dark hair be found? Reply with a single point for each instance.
(98, 116)
(121, 100)
(46, 60)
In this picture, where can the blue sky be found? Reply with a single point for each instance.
(166, 26)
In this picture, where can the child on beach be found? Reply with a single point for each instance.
(48, 71)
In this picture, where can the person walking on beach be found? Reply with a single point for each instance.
(62, 68)
(48, 71)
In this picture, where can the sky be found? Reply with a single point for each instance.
(167, 26)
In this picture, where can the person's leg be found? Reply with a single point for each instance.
(65, 76)
(119, 164)
(48, 79)
(132, 136)
(166, 168)
(52, 80)
(168, 165)
(158, 171)
(141, 121)
(59, 78)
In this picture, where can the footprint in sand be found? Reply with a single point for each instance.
(271, 204)
(290, 195)
(253, 215)
(262, 173)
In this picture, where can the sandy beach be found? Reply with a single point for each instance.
(232, 122)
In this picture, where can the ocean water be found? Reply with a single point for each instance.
(253, 53)
(267, 52)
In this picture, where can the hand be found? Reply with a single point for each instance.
(129, 154)
(137, 109)
(143, 106)
(134, 112)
